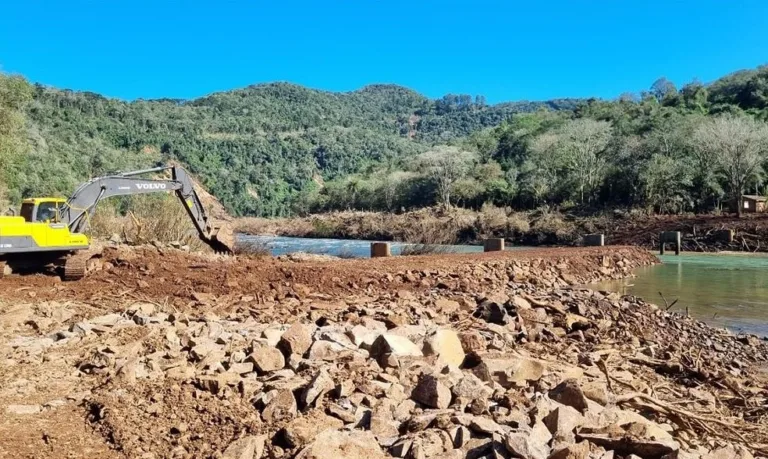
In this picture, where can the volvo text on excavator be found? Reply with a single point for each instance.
(49, 232)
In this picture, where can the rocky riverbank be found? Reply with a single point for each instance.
(491, 355)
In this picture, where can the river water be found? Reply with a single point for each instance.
(723, 290)
(347, 248)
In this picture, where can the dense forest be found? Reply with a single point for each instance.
(281, 149)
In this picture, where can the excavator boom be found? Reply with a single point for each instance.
(79, 208)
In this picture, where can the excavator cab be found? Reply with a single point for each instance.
(42, 210)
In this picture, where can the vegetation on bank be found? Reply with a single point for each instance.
(280, 149)
(427, 227)
(433, 226)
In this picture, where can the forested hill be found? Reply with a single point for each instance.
(255, 148)
(276, 149)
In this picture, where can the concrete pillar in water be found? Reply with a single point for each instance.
(380, 249)
(594, 240)
(669, 237)
(493, 245)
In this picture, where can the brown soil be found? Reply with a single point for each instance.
(188, 281)
(137, 360)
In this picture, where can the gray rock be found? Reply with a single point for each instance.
(471, 387)
(484, 425)
(296, 340)
(460, 435)
(266, 359)
(432, 392)
(526, 445)
(334, 444)
(509, 370)
(569, 393)
(395, 345)
(324, 350)
(281, 406)
(320, 384)
(562, 421)
(303, 430)
(250, 447)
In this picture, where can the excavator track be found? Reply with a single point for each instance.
(81, 264)
(75, 267)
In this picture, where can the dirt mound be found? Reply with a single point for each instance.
(190, 280)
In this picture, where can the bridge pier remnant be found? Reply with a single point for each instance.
(594, 240)
(380, 249)
(669, 237)
(493, 245)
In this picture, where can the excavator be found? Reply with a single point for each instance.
(50, 232)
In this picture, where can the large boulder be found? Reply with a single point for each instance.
(396, 345)
(507, 370)
(250, 447)
(335, 444)
(432, 392)
(296, 340)
(446, 345)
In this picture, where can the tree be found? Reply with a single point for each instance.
(541, 169)
(579, 147)
(666, 183)
(663, 88)
(736, 147)
(391, 184)
(15, 92)
(446, 166)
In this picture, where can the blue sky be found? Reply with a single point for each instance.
(505, 50)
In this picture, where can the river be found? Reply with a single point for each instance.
(726, 290)
(348, 248)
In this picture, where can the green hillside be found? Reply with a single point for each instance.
(278, 148)
(255, 148)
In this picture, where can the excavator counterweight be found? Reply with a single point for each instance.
(50, 231)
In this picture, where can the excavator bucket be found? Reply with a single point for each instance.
(222, 239)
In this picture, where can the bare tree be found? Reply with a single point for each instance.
(736, 147)
(542, 169)
(446, 166)
(390, 186)
(578, 147)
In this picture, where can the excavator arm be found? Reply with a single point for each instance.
(80, 207)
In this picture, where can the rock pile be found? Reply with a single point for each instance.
(531, 368)
(563, 374)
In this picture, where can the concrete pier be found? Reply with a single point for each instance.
(669, 237)
(493, 245)
(380, 249)
(594, 240)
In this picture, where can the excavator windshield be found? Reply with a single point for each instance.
(42, 210)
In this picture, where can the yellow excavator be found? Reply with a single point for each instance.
(49, 232)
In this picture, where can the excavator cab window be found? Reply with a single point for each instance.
(47, 212)
(27, 211)
(42, 211)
